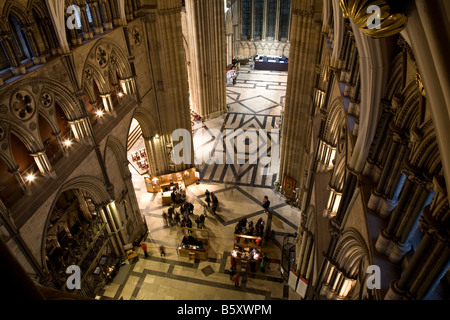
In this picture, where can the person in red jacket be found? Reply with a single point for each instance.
(144, 248)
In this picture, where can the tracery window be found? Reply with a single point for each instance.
(246, 17)
(259, 18)
(19, 40)
(285, 19)
(271, 17)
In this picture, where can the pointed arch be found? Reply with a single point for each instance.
(119, 152)
(148, 126)
(20, 12)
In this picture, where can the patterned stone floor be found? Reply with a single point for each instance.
(254, 103)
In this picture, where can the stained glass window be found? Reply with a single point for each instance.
(259, 18)
(246, 17)
(271, 17)
(284, 19)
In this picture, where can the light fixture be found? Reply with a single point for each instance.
(67, 143)
(156, 136)
(120, 94)
(30, 177)
(99, 113)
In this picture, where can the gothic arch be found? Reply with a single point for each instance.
(20, 12)
(345, 271)
(90, 184)
(334, 122)
(396, 78)
(409, 111)
(105, 58)
(351, 250)
(337, 180)
(148, 126)
(119, 152)
(425, 153)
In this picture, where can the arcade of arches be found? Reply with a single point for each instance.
(358, 129)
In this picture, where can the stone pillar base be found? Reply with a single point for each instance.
(397, 251)
(377, 174)
(39, 60)
(374, 201)
(394, 293)
(19, 70)
(383, 242)
(386, 207)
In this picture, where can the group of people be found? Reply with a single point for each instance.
(235, 275)
(212, 201)
(247, 228)
(177, 195)
(181, 218)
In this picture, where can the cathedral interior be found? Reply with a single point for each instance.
(101, 99)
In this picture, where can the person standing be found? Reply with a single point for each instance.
(236, 279)
(262, 266)
(266, 204)
(208, 197)
(202, 220)
(233, 263)
(144, 248)
(215, 202)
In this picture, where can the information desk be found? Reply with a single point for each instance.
(194, 244)
(161, 183)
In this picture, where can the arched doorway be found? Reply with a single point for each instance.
(79, 232)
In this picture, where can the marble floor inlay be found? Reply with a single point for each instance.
(254, 103)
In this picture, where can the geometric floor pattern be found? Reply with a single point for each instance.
(254, 103)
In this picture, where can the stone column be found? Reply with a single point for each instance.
(381, 199)
(111, 230)
(305, 33)
(134, 204)
(107, 15)
(43, 164)
(61, 144)
(87, 32)
(115, 222)
(432, 258)
(96, 17)
(16, 67)
(80, 129)
(25, 188)
(208, 56)
(264, 26)
(158, 163)
(35, 52)
(252, 22)
(53, 42)
(277, 23)
(380, 142)
(108, 104)
(393, 240)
